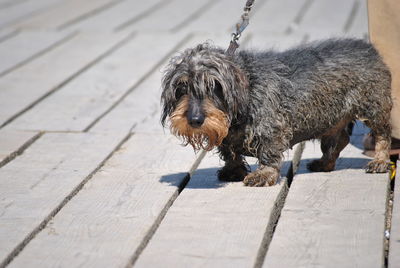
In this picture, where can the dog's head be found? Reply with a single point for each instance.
(203, 92)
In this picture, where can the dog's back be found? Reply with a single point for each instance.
(326, 83)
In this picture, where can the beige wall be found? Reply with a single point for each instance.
(384, 30)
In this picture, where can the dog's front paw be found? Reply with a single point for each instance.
(377, 166)
(262, 177)
(232, 173)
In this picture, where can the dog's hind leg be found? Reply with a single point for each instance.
(381, 132)
(377, 115)
(332, 144)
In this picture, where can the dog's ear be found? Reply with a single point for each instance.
(172, 84)
(235, 85)
(168, 92)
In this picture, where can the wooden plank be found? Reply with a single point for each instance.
(82, 101)
(275, 16)
(25, 86)
(359, 26)
(394, 247)
(25, 46)
(141, 105)
(106, 223)
(275, 41)
(13, 143)
(326, 18)
(38, 183)
(169, 17)
(271, 28)
(140, 109)
(10, 3)
(220, 17)
(7, 33)
(113, 17)
(215, 224)
(334, 219)
(65, 13)
(15, 13)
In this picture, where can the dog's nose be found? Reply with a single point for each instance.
(196, 121)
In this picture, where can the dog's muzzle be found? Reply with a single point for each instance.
(195, 114)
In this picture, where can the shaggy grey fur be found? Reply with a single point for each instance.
(274, 100)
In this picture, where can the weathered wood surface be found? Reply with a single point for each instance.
(215, 224)
(285, 41)
(13, 143)
(24, 87)
(358, 26)
(14, 13)
(170, 17)
(64, 13)
(268, 19)
(10, 3)
(117, 16)
(394, 247)
(25, 46)
(7, 33)
(334, 219)
(325, 18)
(79, 103)
(36, 184)
(220, 16)
(121, 204)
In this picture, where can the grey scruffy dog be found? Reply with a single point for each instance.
(262, 103)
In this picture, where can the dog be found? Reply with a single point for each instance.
(261, 103)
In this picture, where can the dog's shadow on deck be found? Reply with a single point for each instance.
(203, 178)
(206, 178)
(342, 163)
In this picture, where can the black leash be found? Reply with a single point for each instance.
(240, 26)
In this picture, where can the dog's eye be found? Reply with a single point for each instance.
(180, 91)
(218, 90)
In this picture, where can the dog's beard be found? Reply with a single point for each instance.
(208, 135)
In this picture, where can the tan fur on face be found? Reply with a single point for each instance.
(210, 134)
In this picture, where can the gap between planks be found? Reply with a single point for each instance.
(26, 10)
(74, 109)
(142, 15)
(37, 53)
(321, 204)
(164, 211)
(15, 252)
(139, 82)
(205, 195)
(7, 33)
(20, 149)
(130, 190)
(81, 70)
(10, 3)
(194, 15)
(88, 14)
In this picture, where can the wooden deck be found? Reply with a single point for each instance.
(88, 178)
